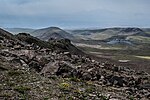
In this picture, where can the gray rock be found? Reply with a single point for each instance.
(35, 65)
(116, 80)
(65, 68)
(51, 68)
(86, 76)
(145, 86)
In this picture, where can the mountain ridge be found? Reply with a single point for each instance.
(19, 30)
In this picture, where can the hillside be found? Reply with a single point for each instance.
(5, 34)
(51, 32)
(34, 69)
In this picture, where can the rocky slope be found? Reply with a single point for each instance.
(53, 70)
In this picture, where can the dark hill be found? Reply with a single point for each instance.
(51, 32)
(132, 31)
(6, 34)
(59, 45)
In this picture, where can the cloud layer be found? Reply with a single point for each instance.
(74, 13)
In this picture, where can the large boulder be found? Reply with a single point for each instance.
(66, 70)
(116, 80)
(50, 68)
(35, 65)
(86, 76)
(58, 68)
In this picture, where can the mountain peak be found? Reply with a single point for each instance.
(52, 32)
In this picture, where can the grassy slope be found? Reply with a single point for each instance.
(138, 57)
(140, 39)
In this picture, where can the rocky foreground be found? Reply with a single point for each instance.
(31, 69)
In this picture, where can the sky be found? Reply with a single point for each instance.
(74, 13)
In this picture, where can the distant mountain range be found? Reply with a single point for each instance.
(106, 34)
(112, 31)
(19, 30)
(117, 35)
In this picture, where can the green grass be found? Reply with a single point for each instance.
(22, 89)
(14, 73)
(140, 39)
(148, 32)
(101, 36)
(143, 57)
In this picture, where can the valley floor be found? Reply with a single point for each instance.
(135, 59)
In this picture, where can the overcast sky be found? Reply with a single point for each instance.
(74, 13)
